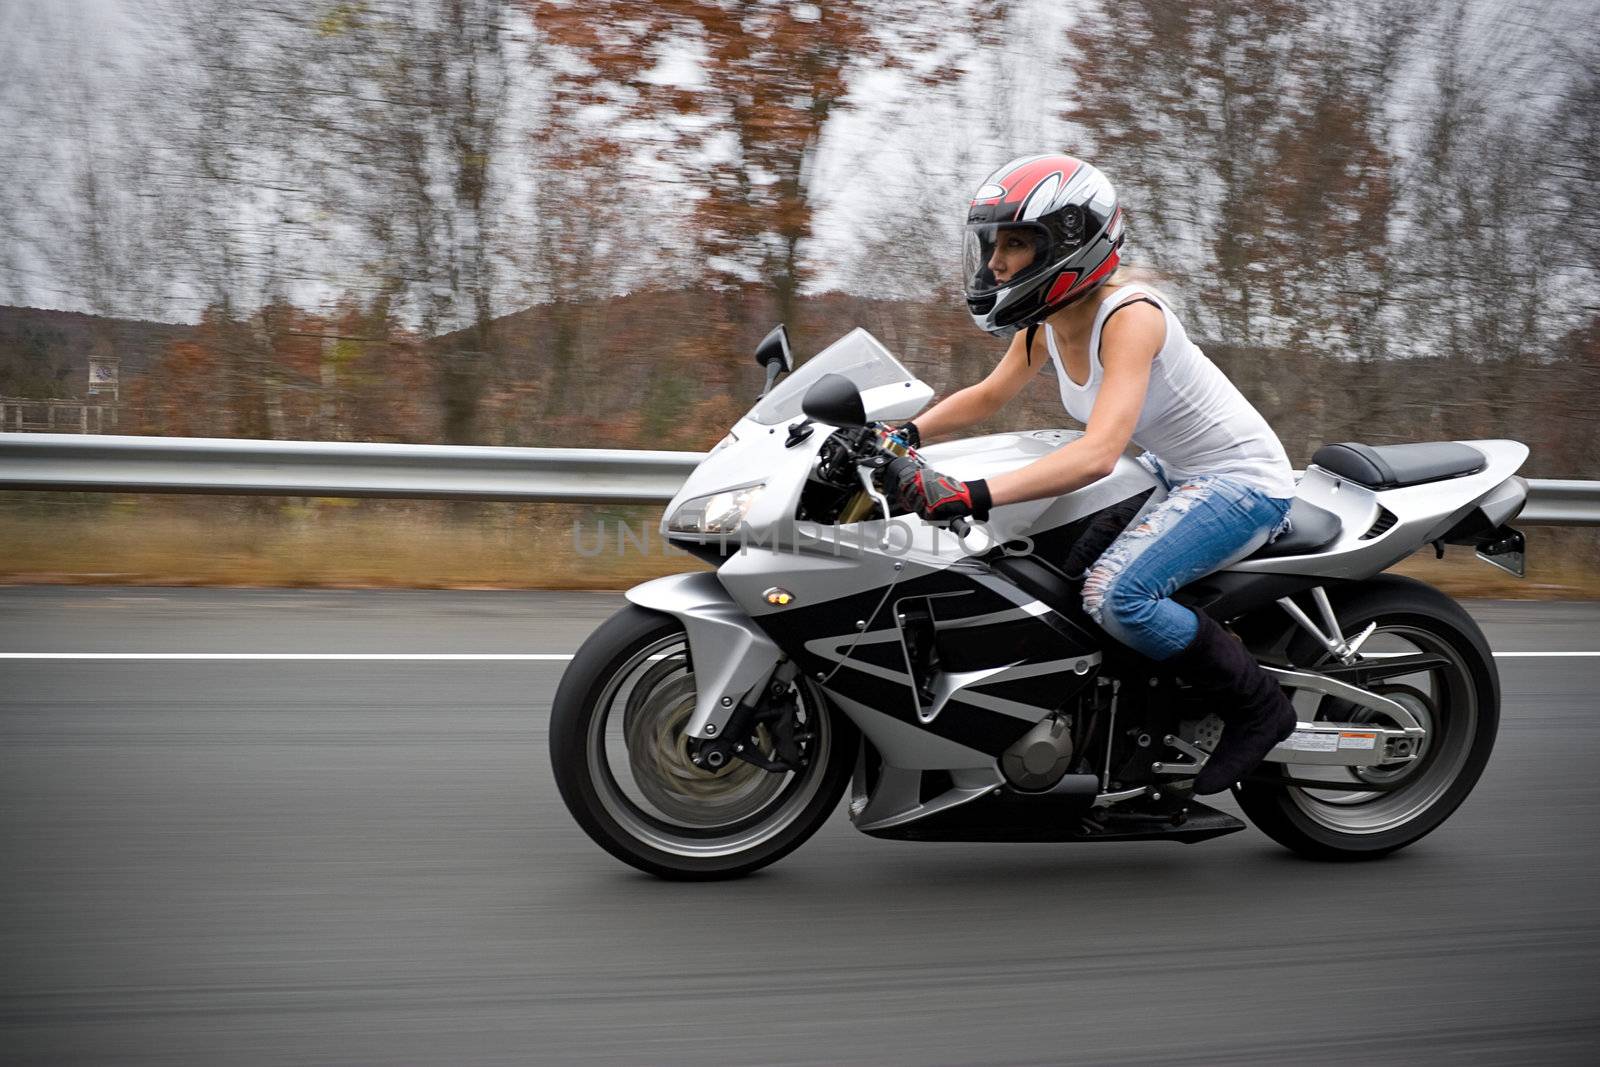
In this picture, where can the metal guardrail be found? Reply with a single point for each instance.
(116, 464)
(1561, 502)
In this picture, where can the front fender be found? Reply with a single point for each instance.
(730, 654)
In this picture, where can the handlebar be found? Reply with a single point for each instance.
(866, 452)
(877, 441)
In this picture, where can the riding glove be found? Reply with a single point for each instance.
(934, 496)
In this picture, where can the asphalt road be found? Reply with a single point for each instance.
(367, 862)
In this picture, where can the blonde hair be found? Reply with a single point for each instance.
(1125, 274)
(1153, 280)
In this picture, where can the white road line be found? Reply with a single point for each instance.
(431, 657)
(1497, 655)
(479, 657)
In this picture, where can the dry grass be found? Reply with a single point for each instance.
(84, 539)
(334, 544)
(1555, 572)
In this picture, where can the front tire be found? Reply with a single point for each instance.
(620, 759)
(1458, 704)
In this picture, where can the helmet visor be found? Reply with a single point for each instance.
(995, 256)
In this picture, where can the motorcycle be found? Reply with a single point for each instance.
(948, 677)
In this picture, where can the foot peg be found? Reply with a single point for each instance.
(1244, 744)
(1197, 755)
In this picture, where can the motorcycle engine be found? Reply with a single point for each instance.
(1041, 757)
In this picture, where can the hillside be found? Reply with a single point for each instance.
(45, 353)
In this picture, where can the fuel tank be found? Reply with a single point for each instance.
(985, 457)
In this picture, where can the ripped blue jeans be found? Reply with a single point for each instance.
(1204, 524)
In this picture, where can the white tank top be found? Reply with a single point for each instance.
(1194, 420)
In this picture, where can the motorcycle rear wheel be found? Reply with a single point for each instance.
(1458, 704)
(621, 761)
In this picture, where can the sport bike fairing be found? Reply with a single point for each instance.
(942, 661)
(842, 577)
(1381, 527)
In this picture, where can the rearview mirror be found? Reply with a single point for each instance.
(774, 348)
(835, 400)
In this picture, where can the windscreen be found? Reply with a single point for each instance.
(993, 257)
(857, 355)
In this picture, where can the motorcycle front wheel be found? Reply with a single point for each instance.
(622, 760)
(1456, 698)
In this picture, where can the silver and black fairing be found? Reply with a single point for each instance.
(947, 652)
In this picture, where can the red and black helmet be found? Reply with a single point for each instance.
(1068, 211)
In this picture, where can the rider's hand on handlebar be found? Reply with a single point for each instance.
(914, 486)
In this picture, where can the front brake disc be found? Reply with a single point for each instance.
(654, 727)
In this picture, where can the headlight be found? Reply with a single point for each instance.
(718, 513)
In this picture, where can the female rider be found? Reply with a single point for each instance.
(1042, 240)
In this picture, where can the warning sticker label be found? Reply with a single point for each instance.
(1358, 740)
(1307, 741)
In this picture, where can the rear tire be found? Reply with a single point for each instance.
(1461, 708)
(679, 821)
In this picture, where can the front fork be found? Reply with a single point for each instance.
(731, 656)
(771, 705)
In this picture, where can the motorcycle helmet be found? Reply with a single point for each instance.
(1066, 211)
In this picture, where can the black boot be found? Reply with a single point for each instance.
(1254, 711)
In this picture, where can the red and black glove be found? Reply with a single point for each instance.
(934, 496)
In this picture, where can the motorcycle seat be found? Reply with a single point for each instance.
(1397, 466)
(1311, 528)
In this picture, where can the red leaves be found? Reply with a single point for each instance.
(753, 88)
(291, 374)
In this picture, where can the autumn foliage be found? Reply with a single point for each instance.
(287, 373)
(536, 222)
